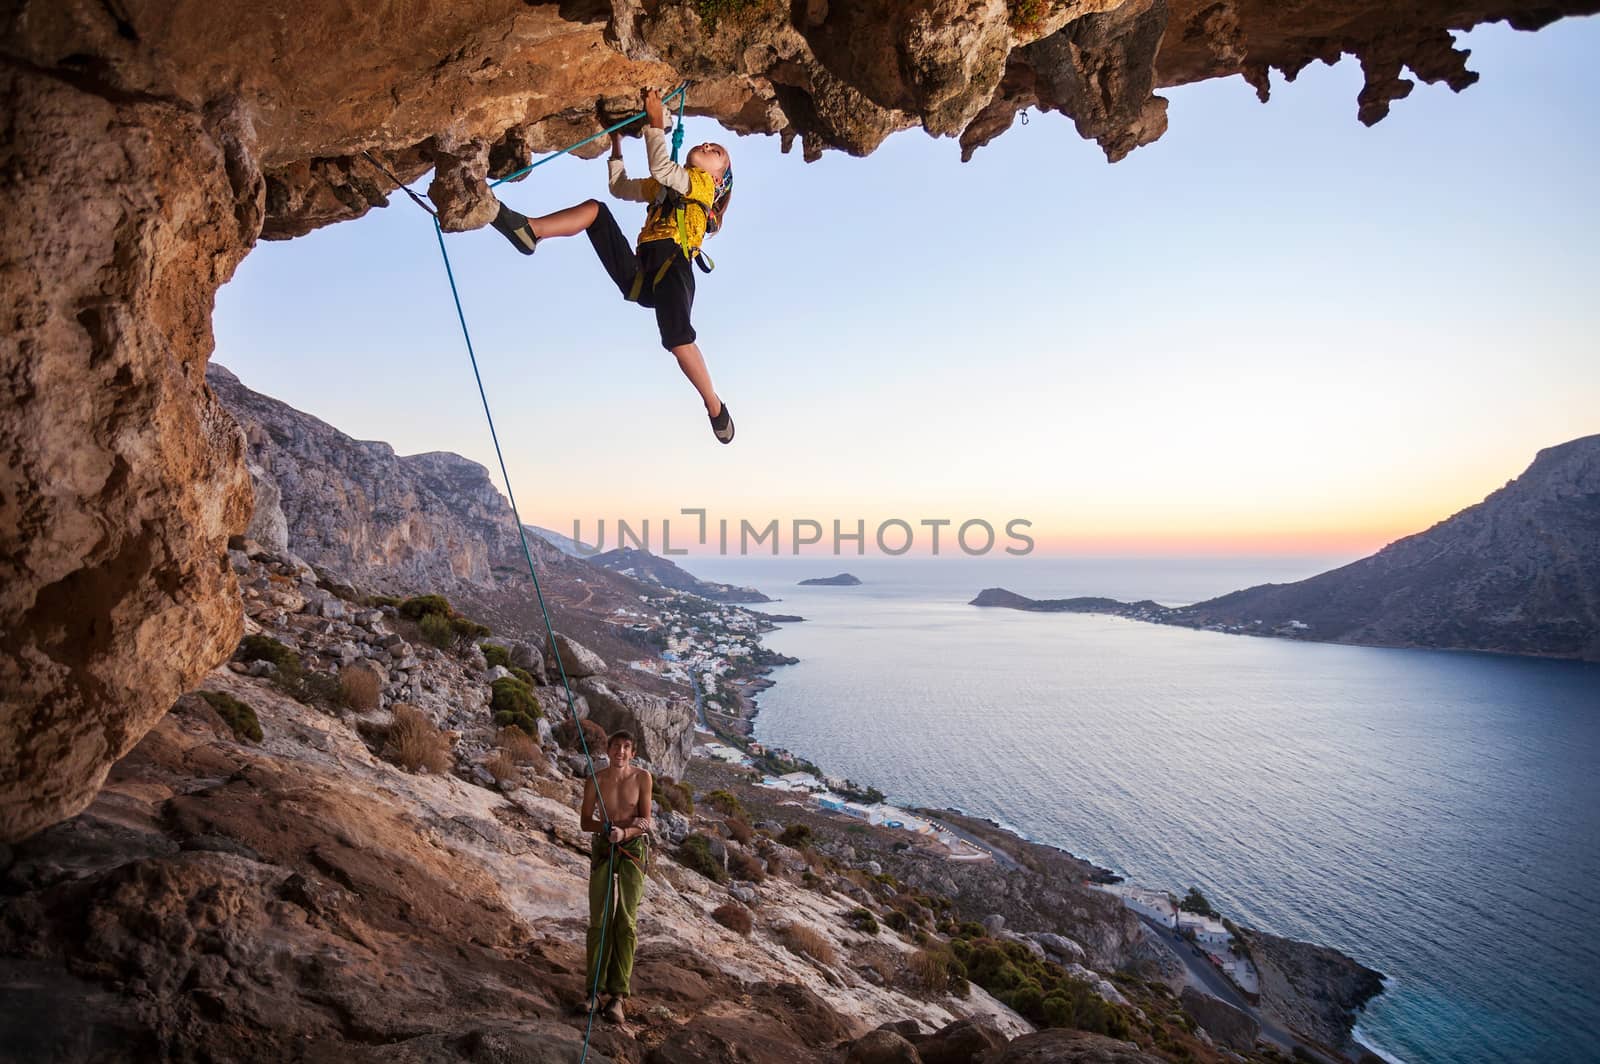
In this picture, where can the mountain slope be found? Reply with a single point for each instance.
(652, 569)
(1519, 572)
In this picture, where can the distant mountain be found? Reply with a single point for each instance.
(1517, 573)
(565, 544)
(651, 569)
(842, 580)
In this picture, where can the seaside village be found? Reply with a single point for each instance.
(716, 649)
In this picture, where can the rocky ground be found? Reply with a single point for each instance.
(264, 878)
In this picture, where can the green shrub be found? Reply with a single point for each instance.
(897, 920)
(970, 929)
(376, 601)
(436, 631)
(236, 714)
(265, 648)
(863, 920)
(420, 606)
(312, 688)
(725, 802)
(496, 655)
(524, 675)
(1027, 1000)
(1059, 1010)
(796, 835)
(695, 854)
(514, 705)
(466, 631)
(674, 796)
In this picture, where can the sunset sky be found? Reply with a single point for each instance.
(1272, 331)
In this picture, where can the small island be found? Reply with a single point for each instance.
(842, 580)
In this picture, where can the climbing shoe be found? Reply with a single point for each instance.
(514, 227)
(722, 425)
(614, 1011)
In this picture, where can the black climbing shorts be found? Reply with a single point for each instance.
(672, 296)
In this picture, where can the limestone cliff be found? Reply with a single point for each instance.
(392, 523)
(147, 145)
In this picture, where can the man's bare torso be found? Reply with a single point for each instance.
(621, 794)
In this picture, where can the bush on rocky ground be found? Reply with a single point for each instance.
(495, 655)
(502, 766)
(436, 631)
(725, 802)
(807, 941)
(734, 917)
(260, 647)
(747, 867)
(695, 854)
(420, 606)
(796, 835)
(740, 831)
(416, 743)
(863, 920)
(1039, 990)
(674, 797)
(239, 716)
(360, 689)
(514, 705)
(522, 748)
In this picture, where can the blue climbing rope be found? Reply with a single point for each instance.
(527, 554)
(681, 93)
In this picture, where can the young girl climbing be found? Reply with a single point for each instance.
(686, 203)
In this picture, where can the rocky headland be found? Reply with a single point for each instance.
(1518, 573)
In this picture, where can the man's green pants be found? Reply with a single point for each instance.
(614, 893)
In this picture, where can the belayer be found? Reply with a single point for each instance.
(686, 205)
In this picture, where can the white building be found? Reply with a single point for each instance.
(1205, 929)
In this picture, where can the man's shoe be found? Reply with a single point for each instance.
(614, 1012)
(584, 1006)
(722, 425)
(514, 227)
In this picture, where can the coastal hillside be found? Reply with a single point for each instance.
(358, 840)
(1518, 573)
(414, 524)
(653, 569)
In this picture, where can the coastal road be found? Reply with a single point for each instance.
(1213, 982)
(1001, 858)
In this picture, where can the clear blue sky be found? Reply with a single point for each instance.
(1271, 329)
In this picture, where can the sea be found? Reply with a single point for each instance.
(1433, 814)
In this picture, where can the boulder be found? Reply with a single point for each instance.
(961, 1042)
(663, 730)
(994, 923)
(1230, 1026)
(881, 1047)
(674, 825)
(1061, 949)
(577, 660)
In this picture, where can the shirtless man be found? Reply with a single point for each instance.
(615, 887)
